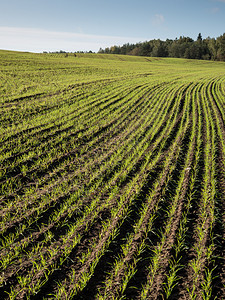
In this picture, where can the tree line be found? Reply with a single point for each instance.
(184, 47)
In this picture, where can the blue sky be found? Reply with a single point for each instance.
(75, 25)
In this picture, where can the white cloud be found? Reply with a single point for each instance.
(215, 10)
(38, 40)
(158, 20)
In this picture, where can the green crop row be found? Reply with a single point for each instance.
(111, 177)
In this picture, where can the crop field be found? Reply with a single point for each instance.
(112, 177)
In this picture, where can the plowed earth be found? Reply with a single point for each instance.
(112, 177)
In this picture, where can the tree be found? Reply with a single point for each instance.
(212, 47)
(159, 49)
(220, 42)
(136, 51)
(199, 38)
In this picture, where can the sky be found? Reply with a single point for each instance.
(84, 25)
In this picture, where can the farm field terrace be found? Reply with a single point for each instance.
(112, 177)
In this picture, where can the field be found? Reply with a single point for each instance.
(112, 177)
